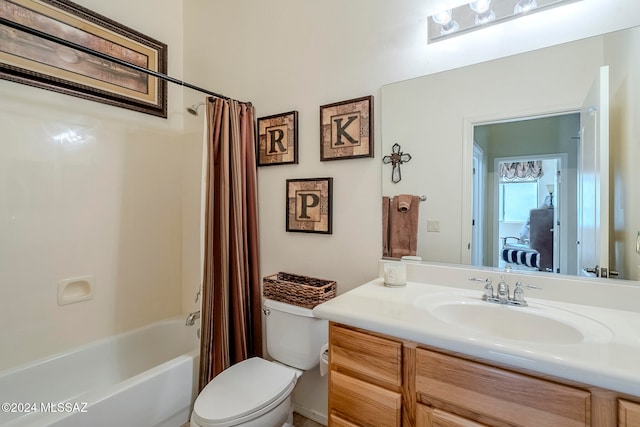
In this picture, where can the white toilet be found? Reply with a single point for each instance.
(257, 392)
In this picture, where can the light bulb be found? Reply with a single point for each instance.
(480, 6)
(443, 17)
(524, 6)
(451, 27)
(483, 18)
(483, 11)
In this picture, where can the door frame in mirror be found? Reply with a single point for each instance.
(469, 123)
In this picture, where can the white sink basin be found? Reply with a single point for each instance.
(537, 323)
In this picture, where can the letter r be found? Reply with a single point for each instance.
(276, 135)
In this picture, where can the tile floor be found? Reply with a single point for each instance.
(298, 421)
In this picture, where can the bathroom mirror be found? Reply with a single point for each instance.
(440, 118)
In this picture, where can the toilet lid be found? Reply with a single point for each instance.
(246, 389)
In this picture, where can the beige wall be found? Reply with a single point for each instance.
(288, 55)
(108, 206)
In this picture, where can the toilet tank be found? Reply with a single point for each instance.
(294, 336)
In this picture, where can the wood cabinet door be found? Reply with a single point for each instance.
(628, 414)
(362, 403)
(368, 357)
(444, 381)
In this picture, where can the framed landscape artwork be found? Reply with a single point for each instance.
(33, 60)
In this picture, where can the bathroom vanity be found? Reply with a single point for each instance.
(434, 355)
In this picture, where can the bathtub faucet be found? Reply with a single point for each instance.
(191, 318)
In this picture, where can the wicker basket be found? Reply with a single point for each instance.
(298, 290)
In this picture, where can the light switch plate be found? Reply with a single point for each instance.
(638, 243)
(433, 226)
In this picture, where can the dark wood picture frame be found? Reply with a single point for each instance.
(309, 205)
(278, 139)
(346, 129)
(34, 61)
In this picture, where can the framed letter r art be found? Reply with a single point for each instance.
(278, 139)
(309, 205)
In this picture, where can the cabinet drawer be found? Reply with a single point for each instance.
(373, 358)
(446, 382)
(429, 417)
(336, 421)
(363, 403)
(628, 414)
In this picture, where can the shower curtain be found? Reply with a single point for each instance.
(231, 304)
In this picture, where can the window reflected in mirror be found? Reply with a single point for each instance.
(516, 200)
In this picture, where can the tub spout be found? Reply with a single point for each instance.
(191, 318)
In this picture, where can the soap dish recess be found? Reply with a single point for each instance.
(74, 290)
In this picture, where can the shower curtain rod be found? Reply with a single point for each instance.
(38, 33)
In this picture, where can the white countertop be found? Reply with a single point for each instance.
(610, 360)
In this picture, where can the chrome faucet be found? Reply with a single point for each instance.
(503, 296)
(191, 318)
(503, 292)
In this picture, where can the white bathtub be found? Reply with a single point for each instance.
(143, 378)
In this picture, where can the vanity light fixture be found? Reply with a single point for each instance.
(479, 14)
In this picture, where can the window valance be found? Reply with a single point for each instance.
(520, 171)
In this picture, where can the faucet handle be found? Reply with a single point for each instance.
(488, 288)
(518, 294)
(488, 291)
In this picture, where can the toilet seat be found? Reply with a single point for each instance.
(243, 392)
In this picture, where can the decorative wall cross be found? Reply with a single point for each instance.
(396, 158)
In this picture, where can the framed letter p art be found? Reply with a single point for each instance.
(278, 139)
(309, 205)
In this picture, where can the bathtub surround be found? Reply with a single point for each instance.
(88, 189)
(145, 377)
(231, 298)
